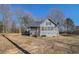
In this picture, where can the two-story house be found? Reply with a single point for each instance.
(43, 28)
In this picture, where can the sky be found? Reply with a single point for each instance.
(42, 10)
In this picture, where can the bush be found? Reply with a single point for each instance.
(43, 36)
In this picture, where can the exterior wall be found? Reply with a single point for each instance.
(53, 31)
(35, 31)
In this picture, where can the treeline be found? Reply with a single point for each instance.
(13, 21)
(18, 20)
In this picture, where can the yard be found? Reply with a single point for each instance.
(40, 45)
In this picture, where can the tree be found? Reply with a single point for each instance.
(70, 24)
(6, 13)
(13, 29)
(19, 13)
(24, 18)
(1, 26)
(57, 16)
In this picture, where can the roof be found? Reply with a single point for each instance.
(52, 22)
(37, 23)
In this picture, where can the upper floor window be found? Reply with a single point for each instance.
(48, 23)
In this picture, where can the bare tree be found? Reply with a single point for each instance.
(24, 18)
(6, 13)
(19, 13)
(1, 26)
(57, 16)
(13, 27)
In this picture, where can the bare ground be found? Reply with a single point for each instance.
(40, 45)
(7, 47)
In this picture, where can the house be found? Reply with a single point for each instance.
(76, 31)
(43, 28)
(77, 27)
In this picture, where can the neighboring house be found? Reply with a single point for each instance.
(76, 27)
(69, 29)
(75, 30)
(43, 28)
(65, 28)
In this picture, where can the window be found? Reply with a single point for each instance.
(52, 28)
(42, 28)
(47, 28)
(48, 23)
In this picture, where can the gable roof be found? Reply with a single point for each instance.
(37, 23)
(52, 22)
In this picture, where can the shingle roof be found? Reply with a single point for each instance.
(37, 23)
